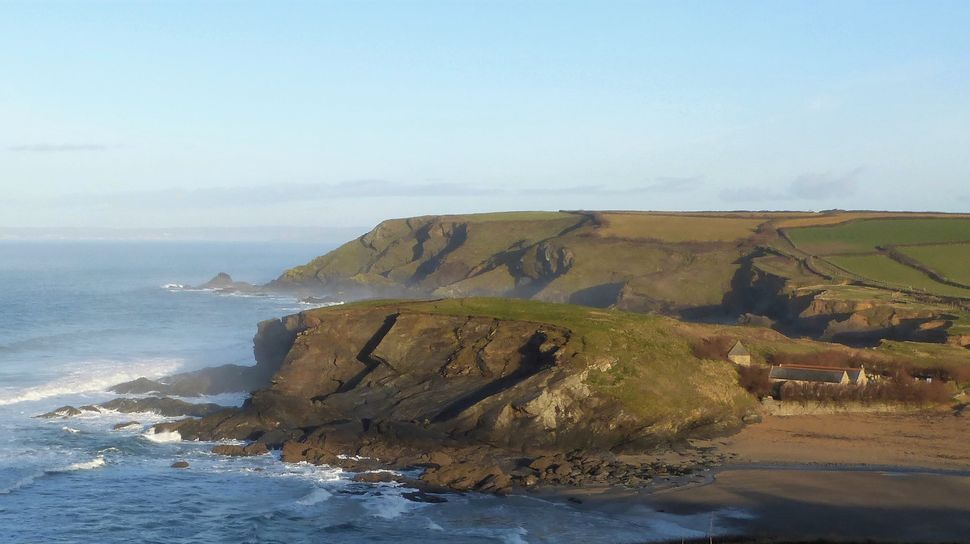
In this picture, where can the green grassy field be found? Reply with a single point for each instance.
(864, 236)
(853, 246)
(950, 260)
(512, 216)
(883, 269)
(676, 228)
(919, 355)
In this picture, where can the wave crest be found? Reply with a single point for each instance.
(94, 376)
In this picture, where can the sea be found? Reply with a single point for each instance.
(78, 317)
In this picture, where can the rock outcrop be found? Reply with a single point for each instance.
(468, 395)
(158, 405)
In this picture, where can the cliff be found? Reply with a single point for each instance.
(480, 381)
(512, 374)
(689, 265)
(635, 262)
(490, 393)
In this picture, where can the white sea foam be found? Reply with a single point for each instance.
(23, 482)
(97, 462)
(515, 536)
(390, 504)
(316, 496)
(162, 437)
(70, 430)
(94, 376)
(173, 286)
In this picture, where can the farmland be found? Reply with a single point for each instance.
(676, 228)
(951, 261)
(912, 254)
(865, 236)
(885, 270)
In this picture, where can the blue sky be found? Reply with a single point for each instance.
(166, 114)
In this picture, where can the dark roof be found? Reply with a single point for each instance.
(854, 373)
(803, 374)
(738, 349)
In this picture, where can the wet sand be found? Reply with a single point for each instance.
(831, 505)
(824, 478)
(928, 439)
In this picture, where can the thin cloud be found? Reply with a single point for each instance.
(822, 186)
(273, 194)
(286, 193)
(808, 186)
(664, 185)
(57, 148)
(673, 184)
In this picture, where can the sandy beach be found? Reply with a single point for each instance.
(843, 477)
(936, 439)
(831, 478)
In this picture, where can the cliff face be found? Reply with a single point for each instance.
(450, 372)
(693, 266)
(582, 258)
(491, 393)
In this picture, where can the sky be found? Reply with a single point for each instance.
(338, 114)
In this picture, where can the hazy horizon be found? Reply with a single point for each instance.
(194, 115)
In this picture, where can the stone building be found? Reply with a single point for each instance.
(739, 354)
(818, 374)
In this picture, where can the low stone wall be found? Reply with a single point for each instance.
(794, 408)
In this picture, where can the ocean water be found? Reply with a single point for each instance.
(77, 317)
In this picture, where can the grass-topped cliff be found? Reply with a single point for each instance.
(636, 261)
(471, 387)
(848, 276)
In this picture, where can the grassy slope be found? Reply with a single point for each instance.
(864, 236)
(884, 269)
(640, 261)
(852, 246)
(950, 260)
(673, 228)
(666, 260)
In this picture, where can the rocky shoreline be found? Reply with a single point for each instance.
(442, 468)
(472, 402)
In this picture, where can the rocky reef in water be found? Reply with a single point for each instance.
(162, 406)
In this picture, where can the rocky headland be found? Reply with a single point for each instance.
(485, 394)
(496, 394)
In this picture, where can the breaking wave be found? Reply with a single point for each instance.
(162, 437)
(97, 462)
(94, 376)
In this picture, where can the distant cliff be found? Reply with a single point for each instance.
(690, 265)
(636, 262)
